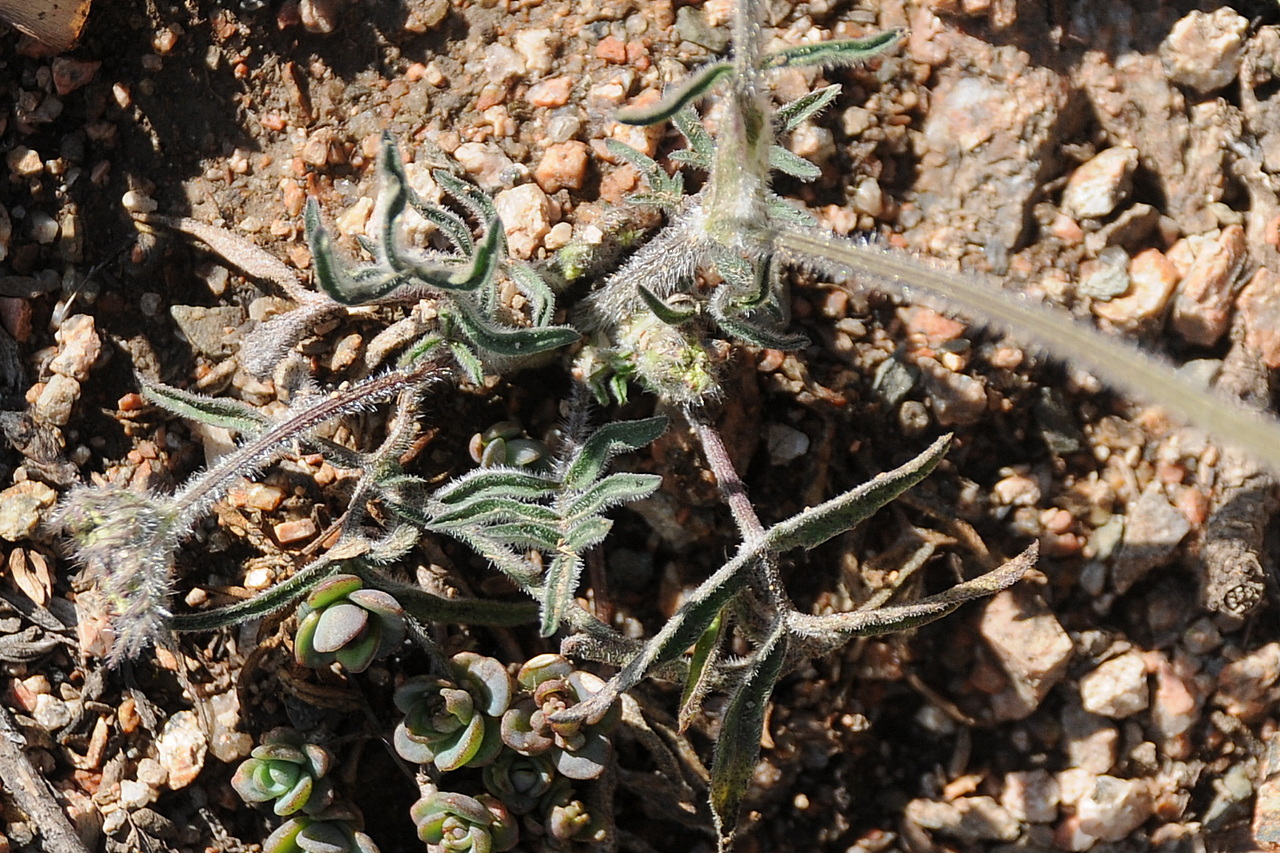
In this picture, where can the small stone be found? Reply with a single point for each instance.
(1116, 688)
(57, 400)
(1031, 796)
(868, 198)
(1029, 644)
(1106, 276)
(71, 74)
(501, 63)
(78, 347)
(612, 50)
(317, 148)
(211, 331)
(526, 212)
(135, 794)
(1259, 307)
(550, 93)
(1203, 51)
(538, 48)
(1202, 307)
(558, 237)
(1244, 686)
(1092, 743)
(355, 219)
(484, 162)
(181, 749)
(786, 443)
(259, 496)
(293, 532)
(1114, 807)
(24, 162)
(152, 773)
(692, 26)
(563, 166)
(1153, 528)
(1100, 184)
(958, 399)
(1174, 704)
(966, 819)
(137, 202)
(1152, 279)
(43, 227)
(51, 713)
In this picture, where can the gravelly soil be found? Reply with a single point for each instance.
(1116, 686)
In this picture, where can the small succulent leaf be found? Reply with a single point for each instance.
(840, 53)
(357, 655)
(701, 664)
(362, 843)
(488, 678)
(543, 668)
(683, 629)
(451, 225)
(738, 747)
(339, 625)
(613, 490)
(607, 442)
(214, 411)
(324, 836)
(792, 164)
(318, 759)
(378, 602)
(532, 286)
(518, 732)
(587, 761)
(410, 749)
(678, 97)
(888, 620)
(485, 483)
(586, 534)
(457, 752)
(296, 797)
(490, 510)
(246, 784)
(701, 145)
(672, 315)
(510, 340)
(285, 837)
(820, 523)
(561, 581)
(304, 642)
(790, 115)
(333, 589)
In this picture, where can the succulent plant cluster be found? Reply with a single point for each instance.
(479, 717)
(292, 774)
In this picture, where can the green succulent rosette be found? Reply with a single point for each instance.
(456, 823)
(454, 722)
(344, 622)
(286, 769)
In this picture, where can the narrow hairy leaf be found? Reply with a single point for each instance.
(586, 534)
(841, 53)
(464, 277)
(522, 534)
(531, 285)
(682, 630)
(268, 601)
(738, 746)
(428, 608)
(659, 181)
(477, 203)
(817, 524)
(607, 442)
(790, 115)
(392, 198)
(614, 490)
(214, 411)
(451, 225)
(700, 143)
(900, 617)
(792, 164)
(365, 285)
(706, 653)
(467, 359)
(490, 483)
(678, 97)
(663, 310)
(754, 333)
(510, 340)
(489, 510)
(561, 581)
